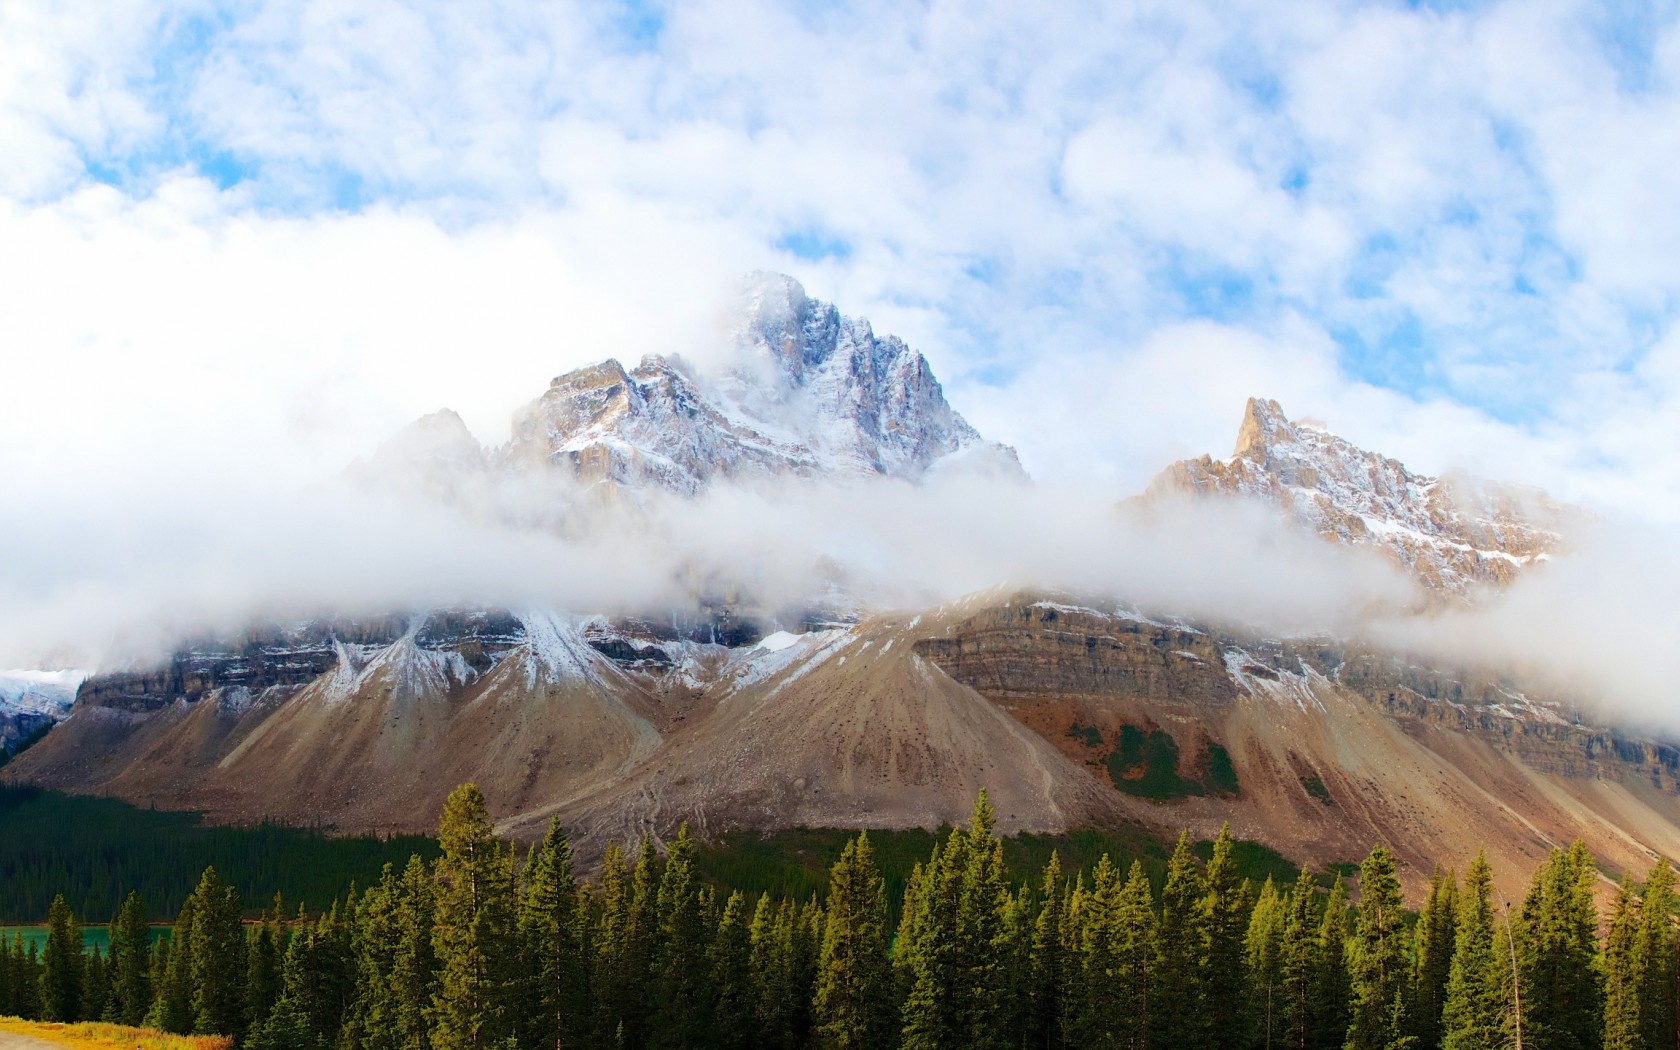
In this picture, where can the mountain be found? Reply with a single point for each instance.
(797, 391)
(31, 701)
(1454, 534)
(803, 391)
(1073, 710)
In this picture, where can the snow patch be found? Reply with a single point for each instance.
(775, 643)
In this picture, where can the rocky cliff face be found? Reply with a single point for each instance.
(1453, 534)
(802, 391)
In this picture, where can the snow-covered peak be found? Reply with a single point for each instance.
(33, 692)
(1452, 533)
(801, 390)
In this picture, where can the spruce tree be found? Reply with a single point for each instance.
(130, 963)
(61, 966)
(619, 988)
(1097, 1005)
(932, 1016)
(853, 1005)
(1624, 974)
(550, 956)
(980, 987)
(1263, 950)
(373, 1023)
(218, 959)
(733, 977)
(1015, 981)
(1378, 960)
(414, 968)
(8, 979)
(1180, 947)
(1332, 983)
(474, 934)
(172, 1007)
(262, 966)
(1557, 941)
(1298, 960)
(96, 986)
(683, 1011)
(1048, 961)
(29, 979)
(289, 1025)
(1432, 957)
(1659, 995)
(1472, 1017)
(1225, 925)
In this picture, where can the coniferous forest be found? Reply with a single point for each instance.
(488, 947)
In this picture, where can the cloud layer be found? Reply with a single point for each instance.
(241, 244)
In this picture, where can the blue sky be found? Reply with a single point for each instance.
(1446, 229)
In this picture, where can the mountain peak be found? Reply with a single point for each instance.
(1263, 422)
(807, 391)
(1452, 534)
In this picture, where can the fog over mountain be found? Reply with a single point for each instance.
(804, 462)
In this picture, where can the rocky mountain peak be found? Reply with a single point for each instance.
(801, 391)
(1454, 534)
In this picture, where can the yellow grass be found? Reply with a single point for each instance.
(91, 1036)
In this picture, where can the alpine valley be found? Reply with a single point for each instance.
(731, 712)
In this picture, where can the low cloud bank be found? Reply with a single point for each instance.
(125, 584)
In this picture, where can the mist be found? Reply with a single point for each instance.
(119, 580)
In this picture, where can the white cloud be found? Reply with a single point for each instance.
(446, 206)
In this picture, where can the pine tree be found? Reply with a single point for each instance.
(619, 989)
(1624, 974)
(172, 1009)
(1263, 950)
(130, 963)
(550, 956)
(1298, 961)
(1332, 983)
(474, 934)
(262, 966)
(61, 966)
(218, 959)
(853, 1006)
(96, 986)
(683, 1004)
(1660, 993)
(981, 935)
(1096, 1007)
(414, 967)
(1557, 941)
(932, 1016)
(1048, 960)
(29, 980)
(1378, 960)
(1014, 970)
(1225, 925)
(288, 1026)
(8, 980)
(373, 1016)
(1432, 957)
(733, 977)
(1180, 945)
(1472, 1017)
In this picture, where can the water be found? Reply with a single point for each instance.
(92, 936)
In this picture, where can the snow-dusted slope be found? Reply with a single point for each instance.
(32, 700)
(1453, 534)
(804, 391)
(38, 692)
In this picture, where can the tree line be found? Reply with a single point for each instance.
(482, 948)
(95, 851)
